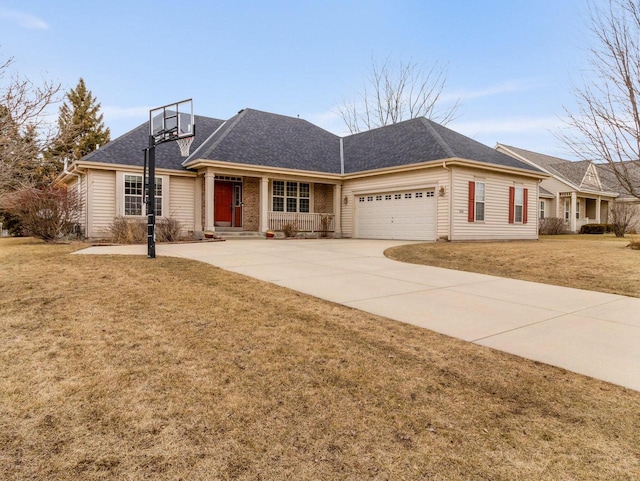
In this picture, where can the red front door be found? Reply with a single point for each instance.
(223, 204)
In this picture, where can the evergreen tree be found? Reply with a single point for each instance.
(81, 128)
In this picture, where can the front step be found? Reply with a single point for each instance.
(239, 234)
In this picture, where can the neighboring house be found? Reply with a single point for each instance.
(574, 191)
(414, 180)
(609, 179)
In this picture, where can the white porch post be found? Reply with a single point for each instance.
(264, 204)
(572, 213)
(209, 183)
(598, 210)
(337, 210)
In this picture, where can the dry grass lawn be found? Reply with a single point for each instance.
(125, 368)
(595, 262)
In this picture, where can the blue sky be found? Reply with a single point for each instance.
(511, 63)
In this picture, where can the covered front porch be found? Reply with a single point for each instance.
(581, 208)
(244, 203)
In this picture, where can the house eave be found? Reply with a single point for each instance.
(83, 166)
(446, 163)
(256, 170)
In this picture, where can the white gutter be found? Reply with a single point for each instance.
(341, 156)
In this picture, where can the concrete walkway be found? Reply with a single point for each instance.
(587, 332)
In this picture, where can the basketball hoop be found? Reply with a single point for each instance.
(185, 144)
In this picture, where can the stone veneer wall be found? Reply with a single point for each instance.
(251, 199)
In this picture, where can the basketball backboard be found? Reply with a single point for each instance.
(172, 122)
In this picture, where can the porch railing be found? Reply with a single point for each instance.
(302, 222)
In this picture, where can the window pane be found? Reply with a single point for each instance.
(292, 189)
(278, 204)
(479, 210)
(133, 185)
(480, 191)
(292, 204)
(518, 195)
(304, 205)
(304, 190)
(132, 205)
(158, 206)
(518, 213)
(278, 188)
(158, 187)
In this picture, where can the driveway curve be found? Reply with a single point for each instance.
(591, 333)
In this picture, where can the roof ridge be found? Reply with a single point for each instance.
(238, 116)
(203, 143)
(438, 138)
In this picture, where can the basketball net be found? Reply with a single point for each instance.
(185, 144)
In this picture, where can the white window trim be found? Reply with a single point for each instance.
(516, 205)
(542, 209)
(483, 202)
(166, 184)
(311, 196)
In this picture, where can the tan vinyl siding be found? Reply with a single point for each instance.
(555, 186)
(424, 178)
(101, 202)
(181, 202)
(78, 186)
(496, 224)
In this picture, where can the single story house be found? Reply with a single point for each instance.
(414, 180)
(574, 190)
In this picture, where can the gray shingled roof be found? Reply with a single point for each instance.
(261, 138)
(567, 170)
(414, 141)
(128, 148)
(610, 181)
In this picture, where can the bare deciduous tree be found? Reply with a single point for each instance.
(48, 213)
(22, 139)
(607, 124)
(393, 93)
(622, 216)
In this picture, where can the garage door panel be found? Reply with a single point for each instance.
(407, 215)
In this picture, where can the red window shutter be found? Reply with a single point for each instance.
(512, 204)
(472, 201)
(525, 205)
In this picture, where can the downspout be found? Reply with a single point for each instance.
(66, 171)
(339, 206)
(450, 216)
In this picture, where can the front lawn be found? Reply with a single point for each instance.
(121, 367)
(595, 262)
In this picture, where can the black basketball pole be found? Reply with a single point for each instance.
(151, 203)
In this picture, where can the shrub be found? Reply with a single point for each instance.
(290, 229)
(622, 215)
(325, 222)
(634, 244)
(168, 230)
(552, 226)
(593, 229)
(48, 213)
(128, 231)
(134, 231)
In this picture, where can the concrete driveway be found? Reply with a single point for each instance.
(591, 333)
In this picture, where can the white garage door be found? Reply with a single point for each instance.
(406, 214)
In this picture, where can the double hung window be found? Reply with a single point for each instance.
(134, 195)
(291, 196)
